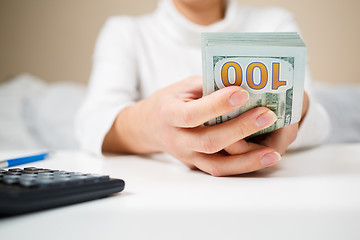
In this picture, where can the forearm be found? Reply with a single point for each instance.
(130, 132)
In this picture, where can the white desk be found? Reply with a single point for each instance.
(313, 194)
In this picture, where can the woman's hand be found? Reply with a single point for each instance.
(172, 119)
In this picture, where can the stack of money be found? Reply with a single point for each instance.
(270, 66)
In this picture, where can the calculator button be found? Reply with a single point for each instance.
(90, 177)
(29, 172)
(60, 180)
(79, 178)
(61, 173)
(28, 175)
(30, 168)
(103, 177)
(45, 174)
(73, 174)
(12, 173)
(45, 177)
(28, 182)
(40, 170)
(33, 170)
(43, 181)
(15, 170)
(61, 176)
(11, 179)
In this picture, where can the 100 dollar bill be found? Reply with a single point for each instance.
(270, 66)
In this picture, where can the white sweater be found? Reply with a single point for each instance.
(136, 56)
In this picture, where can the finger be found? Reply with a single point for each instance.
(241, 147)
(212, 139)
(195, 113)
(219, 165)
(281, 138)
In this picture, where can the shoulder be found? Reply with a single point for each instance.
(124, 23)
(116, 35)
(117, 25)
(276, 13)
(268, 19)
(123, 28)
(121, 34)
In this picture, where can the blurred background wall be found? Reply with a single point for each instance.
(54, 39)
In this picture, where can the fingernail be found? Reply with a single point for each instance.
(239, 98)
(270, 158)
(266, 119)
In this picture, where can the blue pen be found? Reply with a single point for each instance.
(22, 160)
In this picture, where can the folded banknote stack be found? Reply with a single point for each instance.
(270, 66)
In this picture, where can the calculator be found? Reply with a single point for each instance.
(32, 189)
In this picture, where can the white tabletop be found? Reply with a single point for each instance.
(312, 194)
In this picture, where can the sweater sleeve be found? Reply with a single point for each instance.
(112, 86)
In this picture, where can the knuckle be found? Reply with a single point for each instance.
(191, 166)
(187, 118)
(214, 107)
(208, 144)
(252, 167)
(215, 170)
(187, 160)
(163, 114)
(170, 142)
(242, 129)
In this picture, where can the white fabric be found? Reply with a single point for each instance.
(136, 56)
(13, 99)
(36, 115)
(342, 102)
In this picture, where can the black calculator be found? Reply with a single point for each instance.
(32, 189)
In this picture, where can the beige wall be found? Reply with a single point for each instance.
(54, 39)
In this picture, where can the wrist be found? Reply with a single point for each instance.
(129, 132)
(141, 128)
